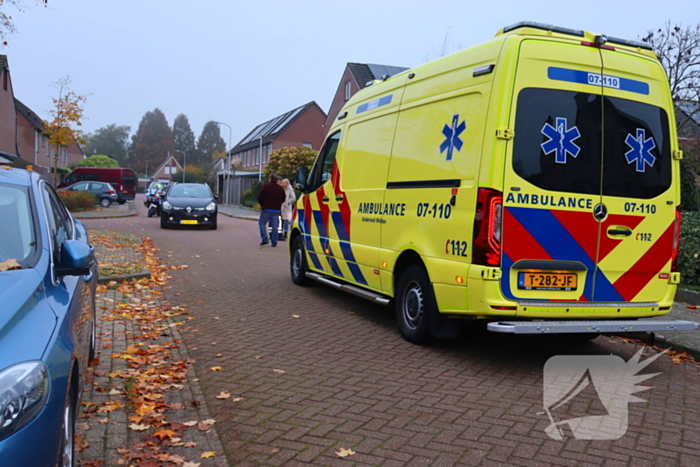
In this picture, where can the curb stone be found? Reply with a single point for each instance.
(136, 276)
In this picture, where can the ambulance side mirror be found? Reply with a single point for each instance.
(301, 177)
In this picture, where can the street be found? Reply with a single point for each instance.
(319, 370)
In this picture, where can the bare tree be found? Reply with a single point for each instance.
(678, 49)
(446, 48)
(7, 25)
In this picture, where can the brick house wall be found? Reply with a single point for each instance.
(74, 154)
(167, 169)
(32, 146)
(8, 114)
(339, 99)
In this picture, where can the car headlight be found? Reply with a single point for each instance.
(23, 391)
(167, 205)
(211, 206)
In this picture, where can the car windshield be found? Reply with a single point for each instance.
(17, 238)
(190, 191)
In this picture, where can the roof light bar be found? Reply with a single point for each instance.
(544, 27)
(641, 45)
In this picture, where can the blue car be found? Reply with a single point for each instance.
(47, 321)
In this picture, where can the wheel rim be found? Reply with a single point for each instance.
(297, 262)
(105, 203)
(67, 454)
(413, 306)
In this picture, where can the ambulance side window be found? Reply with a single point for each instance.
(321, 172)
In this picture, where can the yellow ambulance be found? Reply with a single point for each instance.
(531, 181)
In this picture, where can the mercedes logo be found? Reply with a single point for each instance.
(189, 209)
(600, 212)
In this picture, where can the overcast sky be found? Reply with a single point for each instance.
(242, 63)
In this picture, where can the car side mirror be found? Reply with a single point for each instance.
(77, 258)
(301, 178)
(216, 197)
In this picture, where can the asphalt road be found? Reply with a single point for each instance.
(319, 370)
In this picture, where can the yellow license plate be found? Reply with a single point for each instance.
(540, 280)
(188, 222)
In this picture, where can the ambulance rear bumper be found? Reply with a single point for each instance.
(590, 326)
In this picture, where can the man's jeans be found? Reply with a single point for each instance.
(273, 218)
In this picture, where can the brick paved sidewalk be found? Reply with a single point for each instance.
(125, 317)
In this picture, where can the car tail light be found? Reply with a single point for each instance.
(110, 192)
(676, 239)
(486, 249)
(121, 187)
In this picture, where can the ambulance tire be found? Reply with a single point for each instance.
(415, 305)
(298, 265)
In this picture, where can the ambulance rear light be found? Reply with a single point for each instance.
(676, 240)
(597, 46)
(486, 249)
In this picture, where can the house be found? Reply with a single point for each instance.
(32, 143)
(302, 126)
(355, 77)
(166, 170)
(8, 117)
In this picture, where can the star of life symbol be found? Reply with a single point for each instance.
(608, 377)
(561, 140)
(452, 139)
(640, 151)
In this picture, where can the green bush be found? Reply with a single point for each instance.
(78, 200)
(690, 195)
(689, 252)
(99, 161)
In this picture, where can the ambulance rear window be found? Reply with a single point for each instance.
(637, 161)
(557, 143)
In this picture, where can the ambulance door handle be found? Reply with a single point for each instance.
(624, 232)
(325, 200)
(339, 198)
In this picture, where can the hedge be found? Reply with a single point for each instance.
(78, 200)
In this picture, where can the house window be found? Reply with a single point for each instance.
(167, 170)
(308, 145)
(347, 91)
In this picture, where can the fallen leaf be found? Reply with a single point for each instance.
(208, 454)
(295, 316)
(275, 451)
(344, 452)
(114, 392)
(136, 427)
(219, 355)
(216, 368)
(103, 420)
(93, 464)
(83, 426)
(223, 395)
(278, 371)
(9, 265)
(237, 399)
(192, 423)
(131, 350)
(191, 464)
(190, 444)
(162, 434)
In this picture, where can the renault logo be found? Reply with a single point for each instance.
(600, 212)
(189, 209)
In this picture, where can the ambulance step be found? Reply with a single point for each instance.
(367, 295)
(563, 327)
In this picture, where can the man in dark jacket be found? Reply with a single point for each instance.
(271, 196)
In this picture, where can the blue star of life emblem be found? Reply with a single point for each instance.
(561, 140)
(640, 151)
(452, 139)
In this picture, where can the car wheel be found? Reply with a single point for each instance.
(106, 202)
(163, 224)
(415, 305)
(298, 265)
(121, 201)
(67, 451)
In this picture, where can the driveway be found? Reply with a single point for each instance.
(317, 370)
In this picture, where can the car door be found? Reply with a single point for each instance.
(319, 228)
(97, 189)
(638, 194)
(552, 174)
(70, 297)
(84, 186)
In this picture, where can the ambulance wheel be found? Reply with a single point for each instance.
(297, 263)
(415, 305)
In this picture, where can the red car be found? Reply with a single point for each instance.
(123, 180)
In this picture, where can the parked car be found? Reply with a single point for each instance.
(105, 194)
(47, 322)
(189, 204)
(123, 180)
